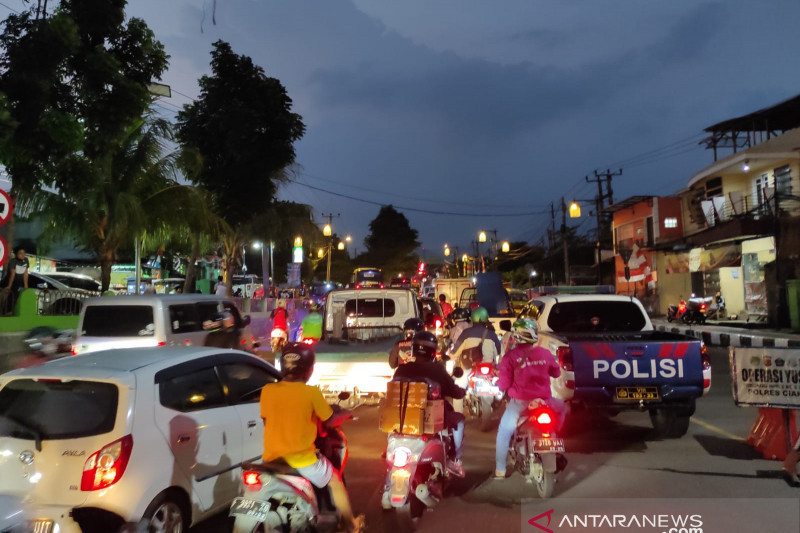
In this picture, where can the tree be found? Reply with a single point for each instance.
(134, 194)
(391, 241)
(76, 88)
(239, 134)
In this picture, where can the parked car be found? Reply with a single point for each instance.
(114, 437)
(153, 320)
(77, 281)
(56, 297)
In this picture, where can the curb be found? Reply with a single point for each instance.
(737, 340)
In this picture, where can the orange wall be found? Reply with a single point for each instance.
(669, 207)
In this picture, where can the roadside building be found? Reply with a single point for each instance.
(641, 226)
(732, 212)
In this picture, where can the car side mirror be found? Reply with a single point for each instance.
(41, 286)
(344, 395)
(458, 372)
(505, 325)
(246, 320)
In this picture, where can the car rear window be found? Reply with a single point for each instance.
(591, 316)
(370, 307)
(118, 321)
(56, 409)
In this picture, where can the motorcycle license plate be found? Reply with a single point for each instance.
(637, 393)
(252, 508)
(400, 482)
(548, 446)
(485, 390)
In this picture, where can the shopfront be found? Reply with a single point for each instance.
(756, 253)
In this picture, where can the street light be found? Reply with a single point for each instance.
(320, 253)
(348, 238)
(340, 246)
(446, 251)
(482, 236)
(506, 247)
(327, 230)
(574, 210)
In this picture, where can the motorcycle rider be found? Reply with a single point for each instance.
(479, 335)
(424, 367)
(401, 351)
(460, 319)
(446, 307)
(222, 332)
(525, 374)
(280, 323)
(290, 410)
(311, 326)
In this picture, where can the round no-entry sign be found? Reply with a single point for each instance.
(5, 207)
(3, 251)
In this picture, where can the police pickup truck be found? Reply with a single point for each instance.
(613, 360)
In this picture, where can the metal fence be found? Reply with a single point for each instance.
(62, 302)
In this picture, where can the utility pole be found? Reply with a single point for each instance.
(564, 239)
(600, 178)
(552, 233)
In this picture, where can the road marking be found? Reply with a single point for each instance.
(715, 429)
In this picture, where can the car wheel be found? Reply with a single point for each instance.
(167, 514)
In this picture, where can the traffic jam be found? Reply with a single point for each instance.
(141, 428)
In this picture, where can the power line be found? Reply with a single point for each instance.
(414, 209)
(9, 8)
(645, 163)
(176, 91)
(656, 151)
(426, 200)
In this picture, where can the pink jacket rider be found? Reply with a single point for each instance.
(525, 372)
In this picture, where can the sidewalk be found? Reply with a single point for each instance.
(714, 335)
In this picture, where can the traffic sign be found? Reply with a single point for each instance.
(6, 207)
(3, 251)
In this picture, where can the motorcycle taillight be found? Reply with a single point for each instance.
(251, 480)
(564, 356)
(544, 418)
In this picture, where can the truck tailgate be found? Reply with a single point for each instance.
(623, 370)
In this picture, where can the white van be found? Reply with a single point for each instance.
(152, 320)
(451, 288)
(362, 314)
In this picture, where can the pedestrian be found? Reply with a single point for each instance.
(221, 287)
(17, 278)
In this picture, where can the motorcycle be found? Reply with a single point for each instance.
(483, 394)
(275, 497)
(696, 309)
(535, 450)
(278, 339)
(676, 312)
(416, 473)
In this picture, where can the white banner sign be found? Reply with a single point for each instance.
(766, 377)
(293, 274)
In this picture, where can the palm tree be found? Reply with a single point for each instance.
(130, 192)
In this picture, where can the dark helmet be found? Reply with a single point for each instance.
(424, 346)
(297, 361)
(460, 314)
(411, 326)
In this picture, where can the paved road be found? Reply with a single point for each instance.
(616, 457)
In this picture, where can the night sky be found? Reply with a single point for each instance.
(471, 106)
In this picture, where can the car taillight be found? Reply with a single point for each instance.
(570, 383)
(358, 285)
(75, 350)
(105, 467)
(438, 323)
(161, 343)
(704, 357)
(251, 480)
(309, 341)
(381, 285)
(564, 355)
(706, 383)
(401, 457)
